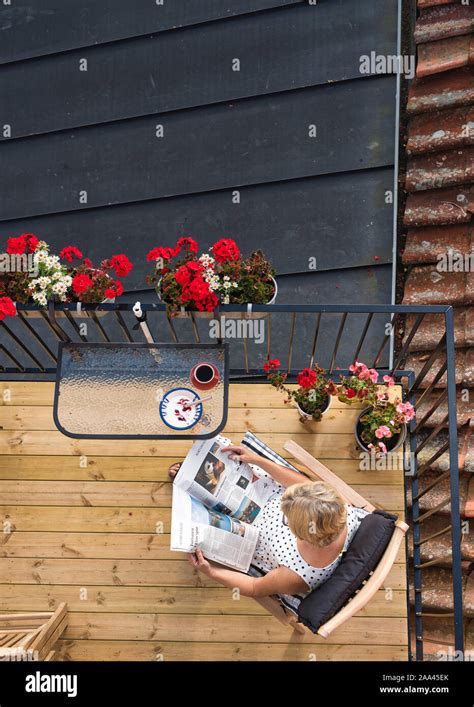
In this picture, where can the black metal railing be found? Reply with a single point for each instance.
(299, 335)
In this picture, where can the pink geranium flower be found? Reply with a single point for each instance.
(383, 431)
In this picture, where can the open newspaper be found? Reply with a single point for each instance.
(215, 503)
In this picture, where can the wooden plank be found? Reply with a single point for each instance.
(112, 163)
(132, 494)
(164, 650)
(261, 209)
(24, 393)
(155, 74)
(164, 600)
(85, 572)
(226, 629)
(150, 546)
(29, 32)
(329, 446)
(99, 520)
(73, 468)
(282, 421)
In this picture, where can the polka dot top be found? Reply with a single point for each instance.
(277, 546)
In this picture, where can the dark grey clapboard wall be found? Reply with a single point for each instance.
(170, 65)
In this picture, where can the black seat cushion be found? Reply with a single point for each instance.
(360, 559)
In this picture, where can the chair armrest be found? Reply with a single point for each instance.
(320, 471)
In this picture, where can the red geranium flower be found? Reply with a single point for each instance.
(31, 242)
(271, 365)
(165, 253)
(87, 262)
(115, 291)
(186, 242)
(25, 243)
(306, 378)
(81, 283)
(69, 253)
(182, 276)
(350, 393)
(7, 308)
(121, 264)
(225, 249)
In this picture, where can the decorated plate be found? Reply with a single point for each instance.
(175, 410)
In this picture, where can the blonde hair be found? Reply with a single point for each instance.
(315, 512)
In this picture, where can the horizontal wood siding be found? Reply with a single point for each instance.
(94, 132)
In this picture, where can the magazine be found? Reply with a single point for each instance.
(215, 503)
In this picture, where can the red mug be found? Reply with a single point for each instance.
(204, 376)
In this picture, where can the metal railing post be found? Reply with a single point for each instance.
(454, 486)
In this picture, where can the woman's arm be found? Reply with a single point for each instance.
(282, 475)
(279, 581)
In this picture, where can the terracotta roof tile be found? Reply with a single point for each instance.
(441, 169)
(437, 592)
(468, 599)
(446, 21)
(431, 330)
(425, 284)
(465, 413)
(447, 90)
(425, 245)
(440, 547)
(438, 633)
(441, 492)
(464, 368)
(469, 506)
(441, 130)
(439, 207)
(445, 54)
(434, 3)
(442, 463)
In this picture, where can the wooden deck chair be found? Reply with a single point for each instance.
(318, 472)
(31, 636)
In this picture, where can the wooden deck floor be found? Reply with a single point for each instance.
(84, 515)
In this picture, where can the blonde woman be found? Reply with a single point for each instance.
(304, 530)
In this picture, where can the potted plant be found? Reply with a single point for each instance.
(186, 281)
(381, 426)
(42, 278)
(313, 395)
(45, 277)
(91, 284)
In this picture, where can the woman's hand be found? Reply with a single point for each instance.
(199, 562)
(241, 454)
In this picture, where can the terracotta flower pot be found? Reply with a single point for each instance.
(392, 443)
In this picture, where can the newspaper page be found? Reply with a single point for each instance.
(220, 537)
(224, 485)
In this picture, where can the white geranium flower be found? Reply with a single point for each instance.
(41, 298)
(59, 288)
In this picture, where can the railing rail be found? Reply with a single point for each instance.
(299, 335)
